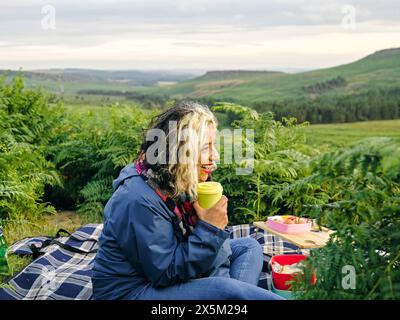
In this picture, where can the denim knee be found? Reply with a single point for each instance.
(251, 244)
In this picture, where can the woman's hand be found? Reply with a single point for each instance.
(217, 215)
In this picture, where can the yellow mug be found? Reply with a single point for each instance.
(209, 193)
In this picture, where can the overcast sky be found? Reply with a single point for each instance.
(194, 34)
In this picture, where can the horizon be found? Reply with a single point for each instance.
(171, 70)
(205, 35)
(193, 71)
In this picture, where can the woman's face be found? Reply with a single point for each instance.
(208, 154)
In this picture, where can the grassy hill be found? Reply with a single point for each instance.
(92, 86)
(378, 70)
(381, 69)
(367, 89)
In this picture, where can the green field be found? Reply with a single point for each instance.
(367, 89)
(378, 70)
(331, 136)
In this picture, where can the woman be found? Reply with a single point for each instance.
(157, 242)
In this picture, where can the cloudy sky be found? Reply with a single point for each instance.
(194, 34)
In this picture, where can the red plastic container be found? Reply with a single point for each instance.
(279, 279)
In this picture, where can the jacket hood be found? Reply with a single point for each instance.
(127, 172)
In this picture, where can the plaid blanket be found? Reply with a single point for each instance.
(62, 269)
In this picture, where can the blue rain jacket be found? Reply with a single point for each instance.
(139, 245)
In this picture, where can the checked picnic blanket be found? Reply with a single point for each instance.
(61, 269)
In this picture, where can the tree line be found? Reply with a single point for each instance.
(147, 100)
(377, 104)
(327, 85)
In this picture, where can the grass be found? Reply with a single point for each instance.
(15, 230)
(330, 136)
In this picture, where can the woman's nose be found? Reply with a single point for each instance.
(214, 155)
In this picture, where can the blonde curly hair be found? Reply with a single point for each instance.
(183, 147)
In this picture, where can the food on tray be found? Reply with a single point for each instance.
(289, 224)
(290, 219)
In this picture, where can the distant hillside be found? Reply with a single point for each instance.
(381, 69)
(71, 81)
(367, 89)
(234, 74)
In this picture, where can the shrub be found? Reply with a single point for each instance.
(27, 124)
(362, 185)
(98, 146)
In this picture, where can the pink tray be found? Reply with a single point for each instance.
(288, 228)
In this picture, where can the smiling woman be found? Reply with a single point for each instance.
(157, 242)
(185, 148)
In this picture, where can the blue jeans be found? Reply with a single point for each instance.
(246, 265)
